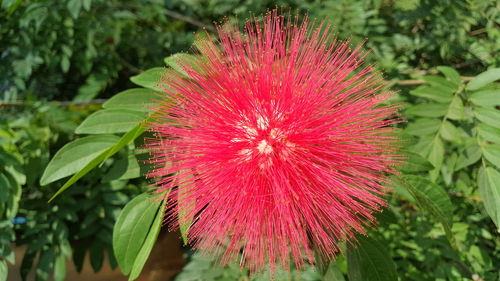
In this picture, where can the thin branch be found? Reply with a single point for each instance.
(187, 19)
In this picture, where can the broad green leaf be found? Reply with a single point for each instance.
(450, 73)
(96, 256)
(490, 116)
(436, 156)
(175, 61)
(489, 186)
(492, 153)
(333, 273)
(370, 261)
(110, 121)
(433, 93)
(138, 99)
(4, 270)
(489, 133)
(428, 110)
(146, 248)
(441, 83)
(450, 133)
(4, 188)
(132, 228)
(423, 126)
(150, 78)
(75, 155)
(484, 79)
(124, 168)
(469, 156)
(433, 199)
(486, 97)
(122, 142)
(60, 268)
(415, 163)
(456, 110)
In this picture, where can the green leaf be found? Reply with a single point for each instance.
(450, 73)
(489, 186)
(150, 78)
(138, 99)
(146, 248)
(124, 168)
(370, 261)
(428, 110)
(436, 154)
(185, 219)
(492, 153)
(4, 270)
(175, 61)
(456, 110)
(433, 199)
(110, 121)
(122, 142)
(489, 133)
(486, 98)
(433, 94)
(470, 155)
(74, 7)
(489, 116)
(450, 133)
(415, 163)
(423, 126)
(96, 256)
(60, 268)
(132, 228)
(484, 79)
(441, 83)
(333, 273)
(75, 155)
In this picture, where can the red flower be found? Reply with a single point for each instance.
(278, 142)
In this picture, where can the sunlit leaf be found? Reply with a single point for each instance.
(110, 121)
(489, 186)
(484, 79)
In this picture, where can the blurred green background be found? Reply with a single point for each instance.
(61, 59)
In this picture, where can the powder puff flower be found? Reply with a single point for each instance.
(275, 143)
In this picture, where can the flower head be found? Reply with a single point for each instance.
(275, 145)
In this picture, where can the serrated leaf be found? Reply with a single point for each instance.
(132, 228)
(75, 155)
(110, 121)
(150, 78)
(146, 248)
(370, 261)
(484, 79)
(423, 126)
(433, 93)
(492, 153)
(489, 186)
(450, 133)
(138, 99)
(415, 163)
(450, 73)
(486, 98)
(428, 110)
(490, 116)
(433, 199)
(489, 133)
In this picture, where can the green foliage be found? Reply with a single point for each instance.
(443, 219)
